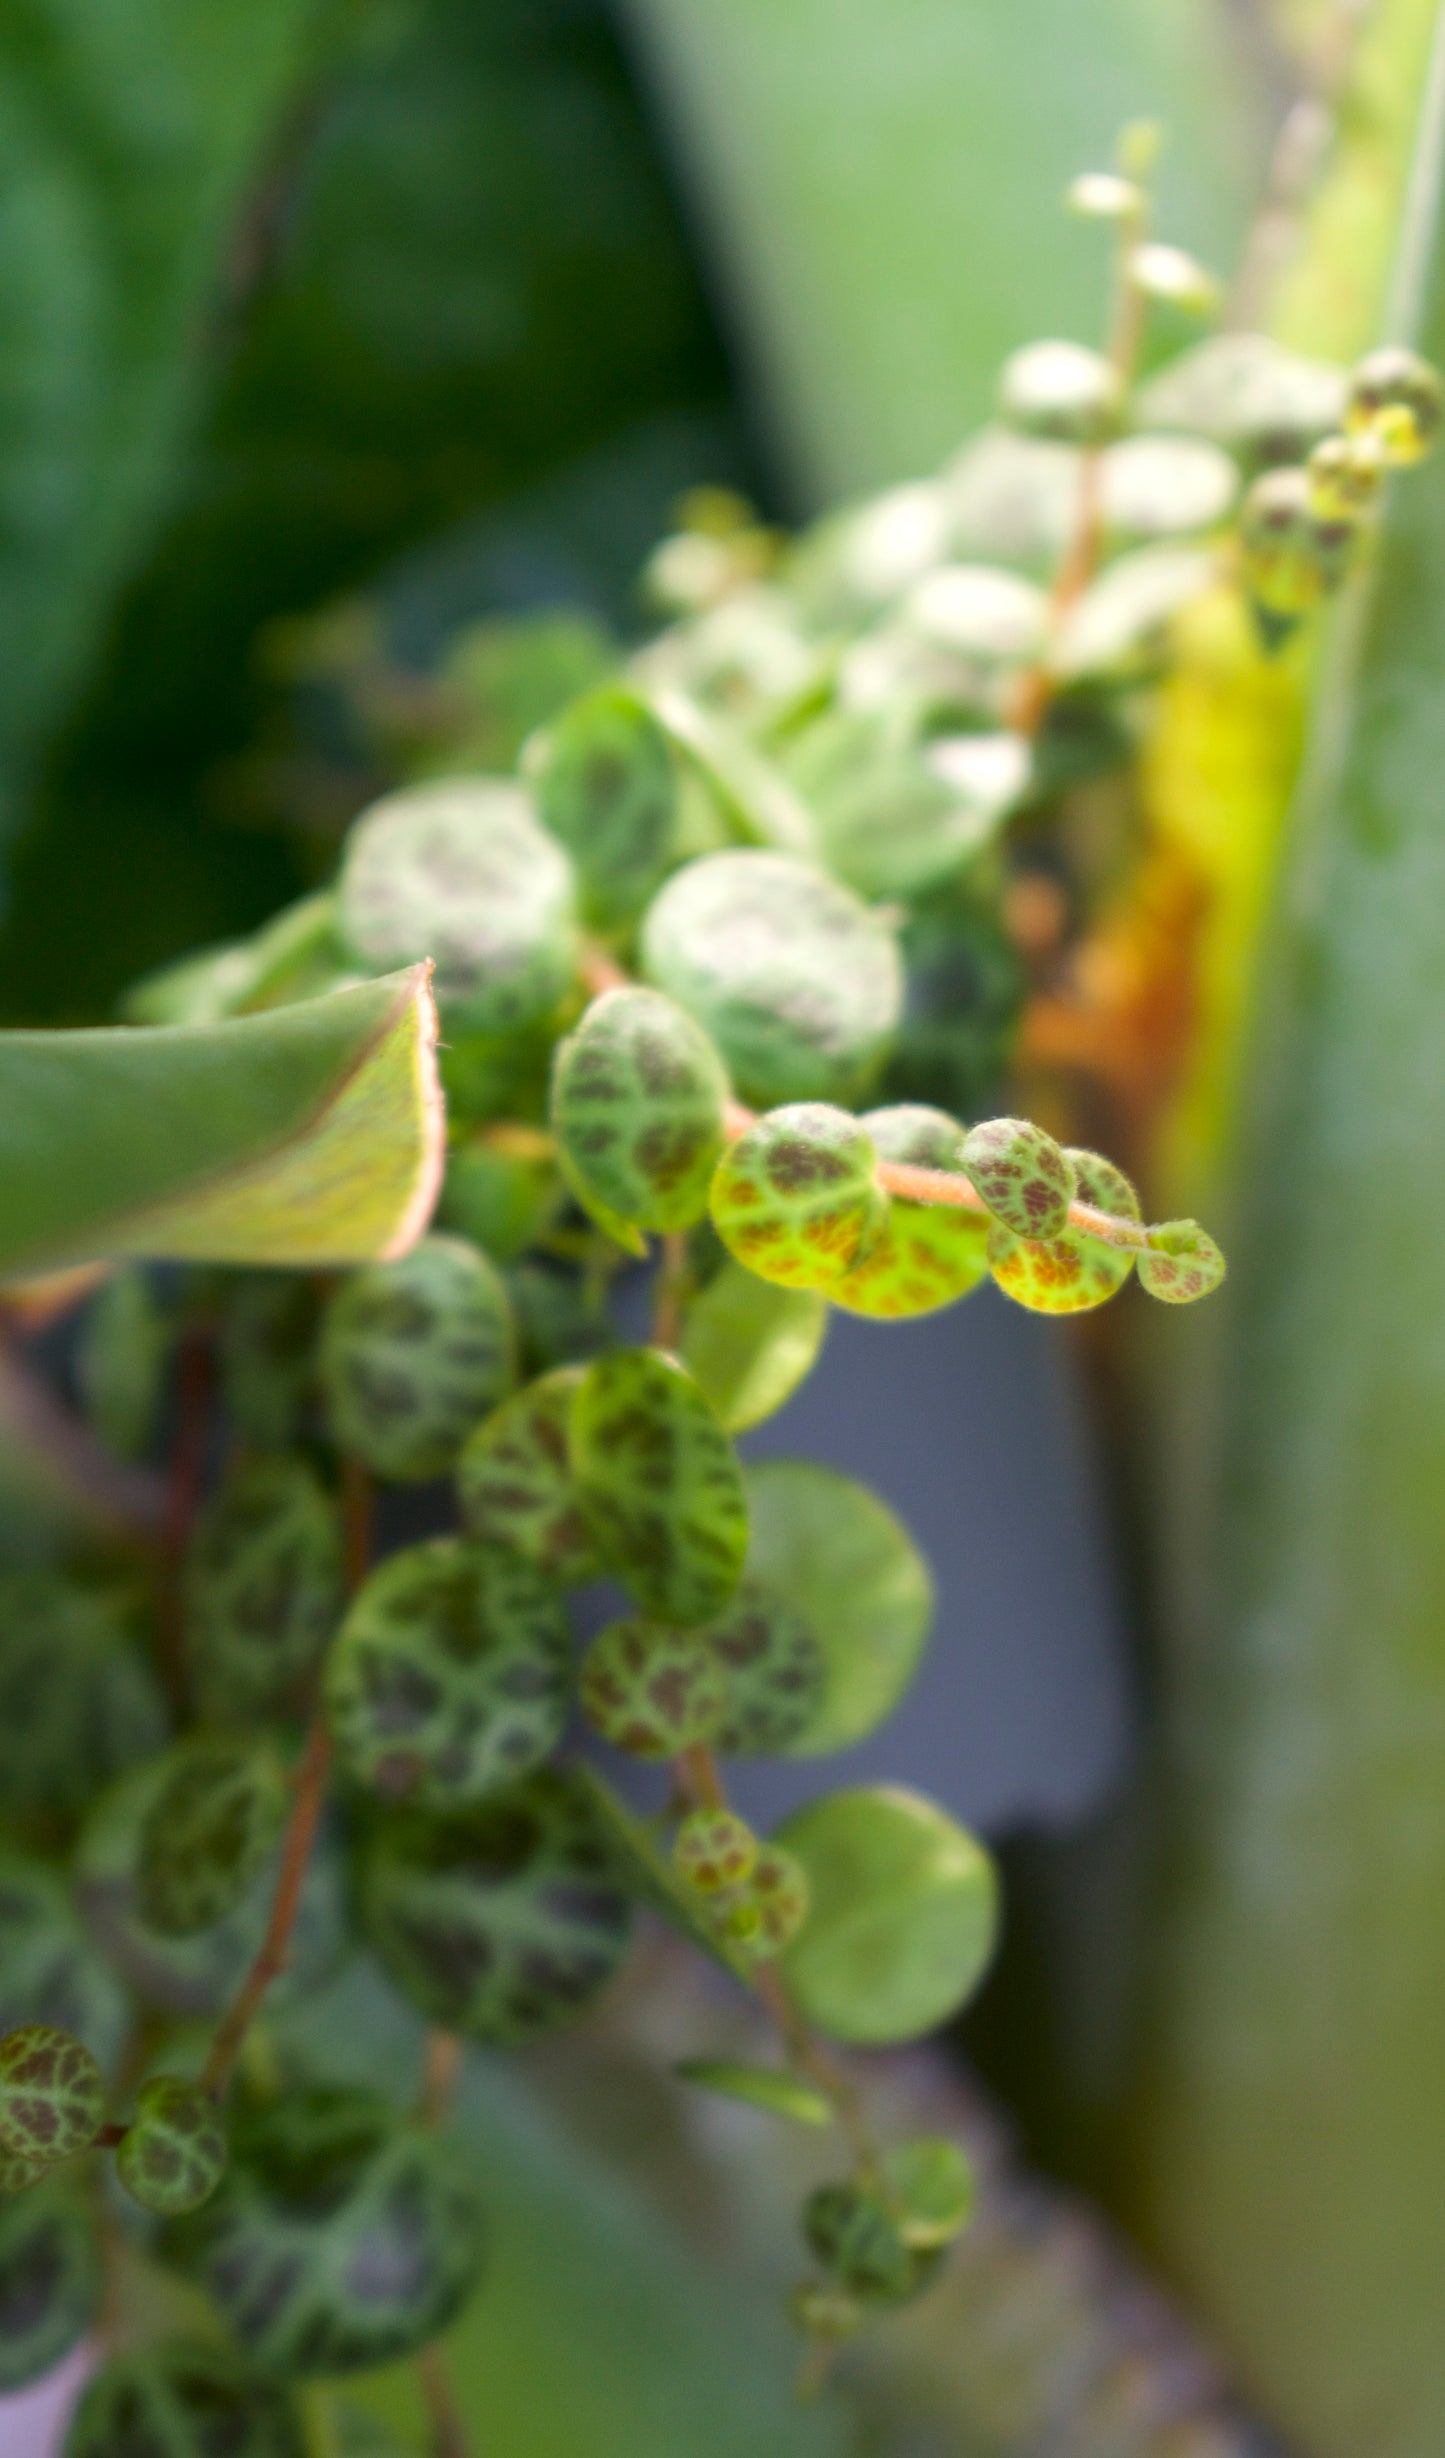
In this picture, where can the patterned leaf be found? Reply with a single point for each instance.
(795, 1198)
(1068, 1274)
(927, 1255)
(638, 1093)
(413, 1353)
(52, 2093)
(660, 1484)
(173, 2152)
(514, 1480)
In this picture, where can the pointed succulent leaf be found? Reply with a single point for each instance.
(49, 2280)
(1181, 1263)
(451, 1675)
(52, 2093)
(263, 1587)
(835, 1556)
(197, 1975)
(458, 870)
(651, 1691)
(49, 1970)
(606, 789)
(172, 2154)
(928, 1255)
(503, 1920)
(750, 1343)
(902, 1918)
(1024, 1177)
(638, 1095)
(413, 1353)
(514, 1480)
(311, 1136)
(77, 1700)
(660, 1485)
(933, 2187)
(209, 1832)
(795, 980)
(777, 1673)
(365, 2228)
(1072, 1272)
(758, 2086)
(796, 1199)
(182, 2399)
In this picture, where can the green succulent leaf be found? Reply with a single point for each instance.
(49, 2280)
(514, 1480)
(835, 1556)
(651, 1691)
(413, 1353)
(124, 1349)
(749, 1343)
(934, 2188)
(365, 2228)
(52, 2093)
(759, 2086)
(1024, 1177)
(209, 1832)
(652, 1878)
(898, 815)
(452, 1674)
(312, 1136)
(796, 1199)
(172, 2154)
(902, 1919)
(762, 1915)
(263, 1587)
(49, 1970)
(502, 1920)
(927, 1255)
(183, 2399)
(606, 788)
(500, 1192)
(851, 2230)
(752, 795)
(777, 1672)
(266, 1331)
(78, 1702)
(1070, 1273)
(796, 981)
(1181, 1263)
(638, 1096)
(459, 870)
(660, 1485)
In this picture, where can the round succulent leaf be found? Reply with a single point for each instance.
(660, 1484)
(413, 1353)
(1260, 401)
(458, 870)
(266, 1328)
(182, 2399)
(209, 1831)
(796, 1197)
(758, 2086)
(49, 2280)
(197, 1975)
(340, 2237)
(638, 1094)
(834, 1554)
(797, 983)
(263, 1587)
(1117, 631)
(503, 1920)
(514, 1480)
(1181, 1263)
(750, 1343)
(606, 788)
(900, 812)
(1061, 392)
(560, 1313)
(17, 2175)
(928, 1254)
(1069, 1274)
(49, 1970)
(933, 2189)
(776, 1669)
(52, 2093)
(451, 1674)
(649, 1690)
(853, 2233)
(714, 1849)
(1024, 1177)
(121, 1357)
(77, 1701)
(902, 1919)
(172, 2154)
(761, 1917)
(1164, 486)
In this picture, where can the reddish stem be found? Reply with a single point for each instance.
(306, 1808)
(448, 2430)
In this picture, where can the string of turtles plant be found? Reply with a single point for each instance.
(720, 908)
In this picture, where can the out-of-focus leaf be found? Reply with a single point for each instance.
(128, 132)
(885, 186)
(312, 1135)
